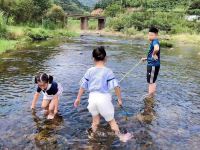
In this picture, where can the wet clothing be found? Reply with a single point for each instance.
(150, 60)
(152, 73)
(99, 80)
(52, 90)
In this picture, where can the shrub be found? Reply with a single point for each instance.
(55, 16)
(116, 24)
(113, 10)
(165, 43)
(194, 7)
(24, 11)
(3, 27)
(48, 24)
(130, 31)
(37, 34)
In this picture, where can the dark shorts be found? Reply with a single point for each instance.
(152, 73)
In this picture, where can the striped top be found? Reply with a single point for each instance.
(99, 80)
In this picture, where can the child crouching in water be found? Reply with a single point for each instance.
(51, 92)
(99, 80)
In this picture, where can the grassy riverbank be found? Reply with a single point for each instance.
(167, 40)
(7, 44)
(19, 36)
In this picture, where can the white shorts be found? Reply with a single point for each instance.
(50, 97)
(101, 103)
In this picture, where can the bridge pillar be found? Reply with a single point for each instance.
(84, 23)
(101, 23)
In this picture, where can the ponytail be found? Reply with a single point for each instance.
(43, 77)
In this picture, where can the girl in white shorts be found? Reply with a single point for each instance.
(51, 92)
(99, 80)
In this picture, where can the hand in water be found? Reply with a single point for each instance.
(125, 137)
(76, 103)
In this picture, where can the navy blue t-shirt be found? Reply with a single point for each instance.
(51, 91)
(150, 60)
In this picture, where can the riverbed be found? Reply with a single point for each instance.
(173, 121)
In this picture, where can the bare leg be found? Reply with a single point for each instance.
(56, 105)
(45, 106)
(152, 89)
(95, 122)
(123, 137)
(114, 126)
(53, 107)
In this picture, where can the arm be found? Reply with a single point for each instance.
(155, 51)
(144, 59)
(78, 99)
(118, 93)
(35, 99)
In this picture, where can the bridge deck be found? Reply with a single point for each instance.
(85, 16)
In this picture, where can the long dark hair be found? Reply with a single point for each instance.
(43, 77)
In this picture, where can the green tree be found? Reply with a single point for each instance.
(56, 14)
(103, 3)
(24, 11)
(3, 27)
(7, 6)
(40, 8)
(194, 7)
(113, 10)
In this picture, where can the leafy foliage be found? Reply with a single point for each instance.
(54, 16)
(7, 6)
(160, 13)
(72, 6)
(194, 8)
(113, 10)
(163, 5)
(23, 11)
(33, 11)
(36, 35)
(89, 3)
(3, 28)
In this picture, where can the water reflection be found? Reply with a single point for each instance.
(46, 130)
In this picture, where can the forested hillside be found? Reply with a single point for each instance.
(72, 6)
(89, 3)
(130, 16)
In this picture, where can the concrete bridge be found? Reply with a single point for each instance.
(85, 18)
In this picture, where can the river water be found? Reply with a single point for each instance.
(172, 121)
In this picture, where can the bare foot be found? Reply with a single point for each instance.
(50, 116)
(125, 137)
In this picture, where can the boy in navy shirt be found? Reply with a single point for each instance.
(153, 60)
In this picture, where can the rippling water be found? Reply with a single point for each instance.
(171, 122)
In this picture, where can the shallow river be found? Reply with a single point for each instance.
(171, 122)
